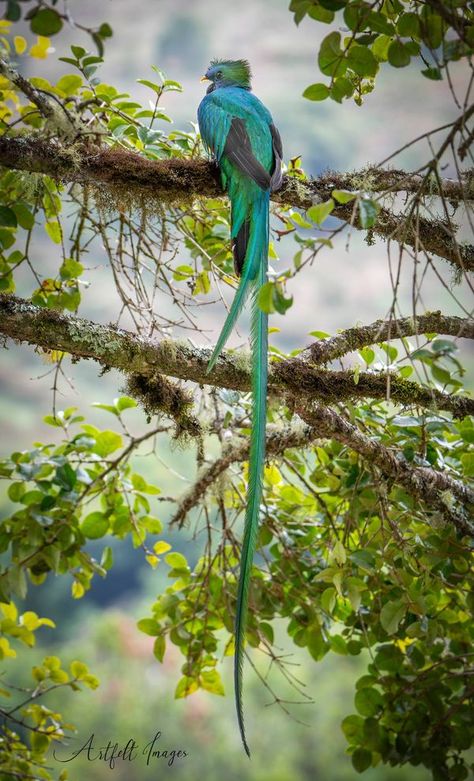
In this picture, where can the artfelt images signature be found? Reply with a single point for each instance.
(131, 751)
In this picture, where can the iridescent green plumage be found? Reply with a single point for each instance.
(239, 131)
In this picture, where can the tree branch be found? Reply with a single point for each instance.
(436, 489)
(134, 178)
(116, 348)
(278, 440)
(383, 330)
(37, 98)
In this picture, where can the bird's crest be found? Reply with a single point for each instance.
(237, 71)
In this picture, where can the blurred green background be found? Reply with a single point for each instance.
(349, 284)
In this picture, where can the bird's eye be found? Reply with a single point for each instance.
(218, 74)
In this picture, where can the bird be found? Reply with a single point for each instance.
(239, 132)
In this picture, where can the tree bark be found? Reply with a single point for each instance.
(294, 378)
(131, 178)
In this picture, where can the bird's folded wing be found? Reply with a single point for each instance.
(278, 156)
(238, 150)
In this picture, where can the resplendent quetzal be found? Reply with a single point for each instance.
(237, 128)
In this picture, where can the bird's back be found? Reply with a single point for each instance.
(215, 114)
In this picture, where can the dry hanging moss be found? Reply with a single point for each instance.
(158, 395)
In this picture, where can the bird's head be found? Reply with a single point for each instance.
(228, 73)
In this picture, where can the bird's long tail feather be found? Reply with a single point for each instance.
(253, 259)
(259, 337)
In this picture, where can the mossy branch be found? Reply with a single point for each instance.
(279, 439)
(295, 378)
(133, 178)
(443, 494)
(449, 497)
(384, 330)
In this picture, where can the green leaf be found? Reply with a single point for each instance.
(331, 58)
(405, 421)
(69, 84)
(94, 525)
(440, 374)
(107, 407)
(66, 476)
(176, 561)
(398, 55)
(316, 92)
(71, 269)
(368, 701)
(8, 217)
(432, 73)
(107, 558)
(280, 302)
(467, 460)
(16, 491)
(265, 297)
(39, 743)
(107, 442)
(316, 645)
(362, 61)
(391, 615)
(341, 88)
(13, 13)
(379, 23)
(432, 29)
(185, 687)
(149, 626)
(78, 51)
(380, 47)
(367, 354)
(202, 284)
(332, 5)
(211, 681)
(361, 759)
(146, 83)
(343, 196)
(320, 211)
(466, 429)
(125, 402)
(105, 30)
(352, 727)
(368, 211)
(46, 22)
(320, 14)
(53, 230)
(159, 647)
(78, 669)
(338, 645)
(24, 216)
(408, 25)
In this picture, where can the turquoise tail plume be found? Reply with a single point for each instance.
(256, 255)
(259, 342)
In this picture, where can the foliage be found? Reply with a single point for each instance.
(350, 559)
(30, 727)
(392, 32)
(46, 19)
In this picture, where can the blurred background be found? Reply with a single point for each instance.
(349, 284)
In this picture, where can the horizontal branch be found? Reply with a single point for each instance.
(437, 489)
(278, 440)
(116, 348)
(176, 180)
(37, 98)
(384, 330)
(385, 180)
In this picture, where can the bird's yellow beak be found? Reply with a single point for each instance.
(204, 78)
